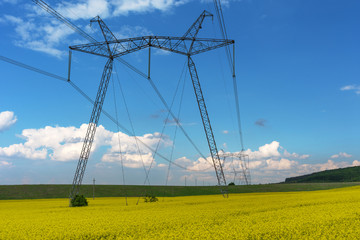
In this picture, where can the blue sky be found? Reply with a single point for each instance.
(297, 65)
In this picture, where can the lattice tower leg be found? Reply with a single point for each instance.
(207, 127)
(90, 133)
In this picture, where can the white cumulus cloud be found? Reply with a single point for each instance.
(39, 31)
(130, 155)
(65, 143)
(84, 9)
(22, 151)
(266, 151)
(7, 119)
(356, 163)
(329, 165)
(87, 9)
(273, 163)
(341, 155)
(295, 155)
(267, 158)
(282, 164)
(43, 37)
(124, 7)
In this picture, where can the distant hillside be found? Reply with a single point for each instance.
(350, 174)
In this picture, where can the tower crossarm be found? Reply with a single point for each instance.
(180, 45)
(92, 48)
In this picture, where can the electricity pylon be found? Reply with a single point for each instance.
(242, 161)
(112, 48)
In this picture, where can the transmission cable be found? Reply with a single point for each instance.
(141, 88)
(226, 87)
(164, 126)
(130, 120)
(32, 68)
(167, 119)
(220, 16)
(152, 84)
(221, 21)
(175, 132)
(173, 116)
(72, 84)
(76, 29)
(119, 141)
(67, 22)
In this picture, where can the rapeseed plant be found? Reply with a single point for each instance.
(330, 214)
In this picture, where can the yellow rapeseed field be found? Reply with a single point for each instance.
(330, 214)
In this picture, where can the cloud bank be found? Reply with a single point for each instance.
(65, 143)
(269, 163)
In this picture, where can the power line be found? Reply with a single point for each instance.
(73, 85)
(174, 117)
(175, 133)
(162, 132)
(131, 122)
(32, 68)
(165, 123)
(78, 30)
(220, 16)
(119, 141)
(171, 44)
(53, 12)
(222, 25)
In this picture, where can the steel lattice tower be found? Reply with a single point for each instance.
(112, 48)
(242, 167)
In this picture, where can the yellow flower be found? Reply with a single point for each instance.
(330, 214)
